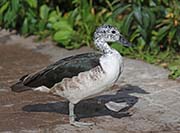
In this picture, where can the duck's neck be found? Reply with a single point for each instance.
(102, 46)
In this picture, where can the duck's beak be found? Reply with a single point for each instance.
(123, 41)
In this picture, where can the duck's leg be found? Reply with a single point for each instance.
(72, 117)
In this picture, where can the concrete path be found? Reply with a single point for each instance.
(153, 101)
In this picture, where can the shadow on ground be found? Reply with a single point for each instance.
(94, 107)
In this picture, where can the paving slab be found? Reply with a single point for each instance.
(152, 99)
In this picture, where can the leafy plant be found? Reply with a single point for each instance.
(167, 29)
(175, 72)
(64, 31)
(83, 21)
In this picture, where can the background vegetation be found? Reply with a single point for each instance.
(152, 26)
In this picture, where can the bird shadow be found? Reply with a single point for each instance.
(94, 107)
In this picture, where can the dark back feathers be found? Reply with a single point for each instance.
(64, 68)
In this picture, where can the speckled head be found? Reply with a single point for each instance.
(109, 33)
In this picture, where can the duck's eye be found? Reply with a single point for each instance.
(113, 31)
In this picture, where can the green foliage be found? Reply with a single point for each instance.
(25, 16)
(175, 72)
(152, 26)
(71, 29)
(84, 20)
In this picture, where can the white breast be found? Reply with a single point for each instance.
(111, 64)
(90, 83)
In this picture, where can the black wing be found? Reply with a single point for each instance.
(54, 73)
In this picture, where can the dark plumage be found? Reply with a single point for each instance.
(54, 73)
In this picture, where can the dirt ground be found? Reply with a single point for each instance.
(15, 62)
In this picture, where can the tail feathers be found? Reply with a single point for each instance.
(20, 87)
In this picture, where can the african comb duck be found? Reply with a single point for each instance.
(80, 76)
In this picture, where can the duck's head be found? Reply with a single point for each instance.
(109, 33)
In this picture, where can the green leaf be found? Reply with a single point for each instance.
(62, 36)
(175, 72)
(4, 7)
(172, 32)
(44, 11)
(85, 10)
(15, 5)
(9, 18)
(178, 39)
(24, 28)
(41, 25)
(54, 17)
(146, 19)
(152, 3)
(134, 35)
(149, 58)
(152, 17)
(127, 23)
(32, 3)
(62, 25)
(141, 44)
(120, 10)
(138, 15)
(162, 33)
(173, 68)
(143, 32)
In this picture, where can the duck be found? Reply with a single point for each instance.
(81, 76)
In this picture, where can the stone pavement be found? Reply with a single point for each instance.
(153, 100)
